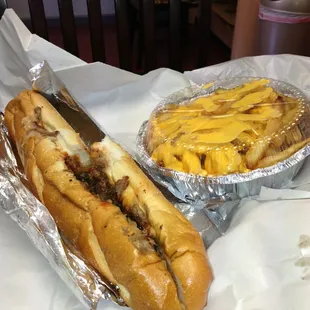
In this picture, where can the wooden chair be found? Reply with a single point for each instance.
(3, 6)
(148, 22)
(39, 25)
(124, 24)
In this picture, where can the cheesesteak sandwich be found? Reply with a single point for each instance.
(109, 210)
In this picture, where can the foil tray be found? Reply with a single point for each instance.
(219, 196)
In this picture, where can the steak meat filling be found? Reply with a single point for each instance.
(98, 183)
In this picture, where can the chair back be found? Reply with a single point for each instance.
(124, 30)
(3, 7)
(67, 20)
(38, 20)
(204, 32)
(147, 10)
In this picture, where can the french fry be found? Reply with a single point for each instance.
(167, 131)
(252, 99)
(278, 157)
(257, 129)
(234, 130)
(271, 151)
(240, 91)
(273, 97)
(259, 148)
(223, 110)
(272, 127)
(208, 85)
(204, 123)
(279, 107)
(278, 140)
(264, 112)
(291, 102)
(243, 168)
(191, 163)
(287, 107)
(176, 165)
(256, 152)
(224, 161)
(217, 136)
(163, 153)
(208, 165)
(208, 104)
(293, 136)
(245, 139)
(289, 116)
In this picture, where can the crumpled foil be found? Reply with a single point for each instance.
(45, 81)
(220, 196)
(23, 207)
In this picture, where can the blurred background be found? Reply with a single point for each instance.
(219, 46)
(229, 28)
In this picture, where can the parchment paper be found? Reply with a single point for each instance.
(27, 281)
(254, 263)
(259, 264)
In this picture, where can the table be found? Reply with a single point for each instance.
(30, 283)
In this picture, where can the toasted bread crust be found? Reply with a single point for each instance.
(110, 242)
(182, 244)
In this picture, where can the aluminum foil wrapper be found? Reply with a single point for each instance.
(220, 196)
(24, 208)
